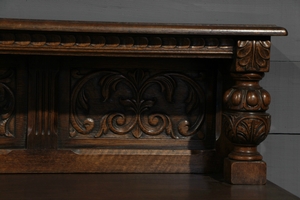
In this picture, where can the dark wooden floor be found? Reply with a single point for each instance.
(131, 186)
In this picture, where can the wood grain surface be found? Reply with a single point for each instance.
(132, 186)
(107, 161)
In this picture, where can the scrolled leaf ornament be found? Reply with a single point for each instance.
(138, 116)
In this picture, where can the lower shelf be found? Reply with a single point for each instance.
(132, 186)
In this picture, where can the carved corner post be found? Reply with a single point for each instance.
(244, 120)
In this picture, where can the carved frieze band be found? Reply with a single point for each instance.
(7, 102)
(246, 127)
(137, 103)
(94, 41)
(253, 55)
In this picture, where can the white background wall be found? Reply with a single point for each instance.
(281, 149)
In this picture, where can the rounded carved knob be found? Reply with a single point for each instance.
(244, 99)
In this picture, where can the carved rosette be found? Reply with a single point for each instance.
(136, 95)
(253, 55)
(7, 102)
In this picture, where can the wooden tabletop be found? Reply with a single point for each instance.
(132, 186)
(142, 28)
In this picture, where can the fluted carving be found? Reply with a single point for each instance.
(42, 118)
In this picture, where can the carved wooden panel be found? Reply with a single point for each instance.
(13, 102)
(141, 104)
(138, 102)
(7, 101)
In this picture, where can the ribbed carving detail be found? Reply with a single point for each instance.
(42, 117)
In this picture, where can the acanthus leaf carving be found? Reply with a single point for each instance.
(246, 128)
(253, 55)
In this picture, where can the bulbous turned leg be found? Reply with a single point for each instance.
(246, 125)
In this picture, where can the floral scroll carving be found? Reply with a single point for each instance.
(7, 102)
(253, 55)
(144, 104)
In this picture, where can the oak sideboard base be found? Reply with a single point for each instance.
(245, 172)
(96, 97)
